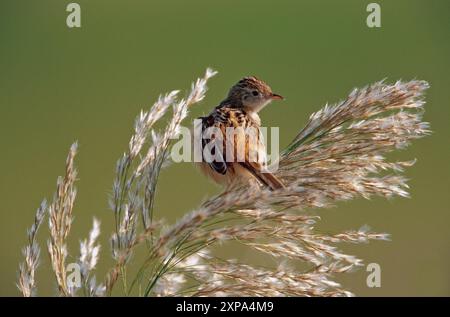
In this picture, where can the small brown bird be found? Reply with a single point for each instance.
(240, 156)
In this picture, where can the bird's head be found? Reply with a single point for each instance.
(252, 94)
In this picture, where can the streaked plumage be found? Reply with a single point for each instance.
(239, 111)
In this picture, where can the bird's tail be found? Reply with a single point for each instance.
(267, 179)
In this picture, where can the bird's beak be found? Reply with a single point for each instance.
(276, 97)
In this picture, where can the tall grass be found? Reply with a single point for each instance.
(337, 156)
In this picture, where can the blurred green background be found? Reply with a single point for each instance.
(59, 85)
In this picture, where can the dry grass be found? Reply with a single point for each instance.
(337, 156)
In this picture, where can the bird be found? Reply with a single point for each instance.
(239, 156)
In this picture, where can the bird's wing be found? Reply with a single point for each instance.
(222, 146)
(217, 162)
(245, 145)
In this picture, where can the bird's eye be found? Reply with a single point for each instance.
(255, 93)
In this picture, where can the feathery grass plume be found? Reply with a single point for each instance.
(124, 199)
(135, 185)
(342, 146)
(89, 252)
(291, 237)
(31, 252)
(60, 221)
(339, 155)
